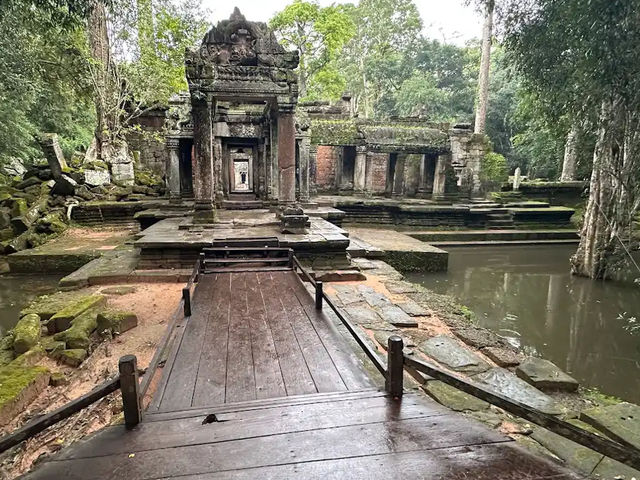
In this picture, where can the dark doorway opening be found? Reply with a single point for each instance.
(348, 167)
(186, 168)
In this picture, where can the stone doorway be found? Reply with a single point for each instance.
(348, 168)
(241, 169)
(186, 168)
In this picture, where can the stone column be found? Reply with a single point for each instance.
(286, 155)
(360, 169)
(203, 178)
(440, 177)
(173, 169)
(398, 178)
(313, 162)
(303, 150)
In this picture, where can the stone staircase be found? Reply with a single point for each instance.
(500, 219)
(242, 201)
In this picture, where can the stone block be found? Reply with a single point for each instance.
(452, 397)
(122, 173)
(72, 357)
(545, 375)
(504, 357)
(96, 178)
(13, 167)
(65, 185)
(62, 320)
(510, 386)
(20, 386)
(477, 337)
(576, 456)
(449, 352)
(413, 309)
(58, 379)
(77, 336)
(621, 422)
(26, 333)
(113, 322)
(52, 151)
(397, 317)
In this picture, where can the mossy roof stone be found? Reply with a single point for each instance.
(26, 333)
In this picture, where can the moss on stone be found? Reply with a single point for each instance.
(72, 357)
(116, 322)
(58, 379)
(46, 306)
(77, 336)
(334, 132)
(26, 333)
(118, 290)
(30, 358)
(15, 379)
(6, 342)
(6, 357)
(63, 319)
(19, 207)
(52, 345)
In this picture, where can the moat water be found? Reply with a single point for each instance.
(527, 295)
(17, 292)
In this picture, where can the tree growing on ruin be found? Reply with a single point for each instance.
(482, 101)
(580, 57)
(318, 33)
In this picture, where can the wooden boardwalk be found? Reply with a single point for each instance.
(261, 385)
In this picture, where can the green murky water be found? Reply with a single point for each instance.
(527, 295)
(17, 291)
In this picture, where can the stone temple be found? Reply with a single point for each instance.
(240, 139)
(240, 136)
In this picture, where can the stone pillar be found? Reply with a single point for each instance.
(313, 167)
(517, 178)
(303, 150)
(203, 178)
(286, 156)
(368, 176)
(398, 178)
(52, 151)
(360, 169)
(173, 169)
(440, 177)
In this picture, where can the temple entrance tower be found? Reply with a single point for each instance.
(244, 94)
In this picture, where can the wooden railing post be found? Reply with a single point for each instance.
(201, 264)
(129, 386)
(186, 296)
(291, 257)
(395, 366)
(319, 295)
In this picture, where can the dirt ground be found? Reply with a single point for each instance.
(154, 305)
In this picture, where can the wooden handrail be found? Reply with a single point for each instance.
(626, 454)
(360, 339)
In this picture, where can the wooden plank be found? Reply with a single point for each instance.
(349, 366)
(181, 378)
(213, 261)
(264, 404)
(268, 377)
(306, 446)
(324, 372)
(241, 383)
(253, 424)
(248, 269)
(478, 462)
(212, 366)
(295, 372)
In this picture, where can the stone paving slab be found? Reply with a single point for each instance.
(448, 352)
(372, 297)
(620, 422)
(400, 286)
(545, 375)
(504, 357)
(452, 397)
(581, 458)
(396, 316)
(347, 294)
(363, 315)
(507, 384)
(477, 337)
(612, 469)
(413, 309)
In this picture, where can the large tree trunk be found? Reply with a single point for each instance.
(570, 155)
(108, 96)
(612, 196)
(485, 66)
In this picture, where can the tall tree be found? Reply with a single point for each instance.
(485, 68)
(319, 35)
(580, 56)
(382, 53)
(570, 159)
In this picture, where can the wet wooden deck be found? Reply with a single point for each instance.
(261, 385)
(251, 336)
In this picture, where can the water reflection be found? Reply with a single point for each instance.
(17, 291)
(527, 295)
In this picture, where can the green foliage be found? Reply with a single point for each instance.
(318, 33)
(44, 84)
(493, 171)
